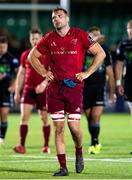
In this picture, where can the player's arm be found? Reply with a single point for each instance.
(33, 58)
(111, 83)
(118, 76)
(19, 83)
(99, 56)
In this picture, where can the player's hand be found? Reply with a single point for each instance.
(11, 88)
(81, 76)
(42, 86)
(112, 98)
(120, 90)
(17, 98)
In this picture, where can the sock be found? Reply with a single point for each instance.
(46, 134)
(23, 133)
(62, 160)
(78, 150)
(3, 129)
(94, 130)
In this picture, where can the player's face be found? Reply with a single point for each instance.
(3, 48)
(59, 19)
(129, 30)
(34, 38)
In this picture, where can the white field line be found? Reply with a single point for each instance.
(35, 159)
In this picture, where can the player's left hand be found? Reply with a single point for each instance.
(11, 89)
(41, 87)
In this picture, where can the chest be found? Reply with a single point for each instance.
(5, 65)
(64, 46)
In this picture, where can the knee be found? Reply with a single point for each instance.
(95, 118)
(24, 120)
(44, 120)
(59, 130)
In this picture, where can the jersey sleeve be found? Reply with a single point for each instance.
(23, 59)
(87, 40)
(42, 45)
(119, 53)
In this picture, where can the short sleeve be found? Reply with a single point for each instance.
(23, 59)
(87, 40)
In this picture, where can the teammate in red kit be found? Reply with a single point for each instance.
(29, 97)
(66, 47)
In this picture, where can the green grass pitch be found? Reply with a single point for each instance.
(114, 161)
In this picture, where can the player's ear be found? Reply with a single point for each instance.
(67, 19)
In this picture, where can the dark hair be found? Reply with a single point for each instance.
(35, 31)
(94, 28)
(60, 9)
(3, 39)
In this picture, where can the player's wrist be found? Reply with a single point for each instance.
(118, 82)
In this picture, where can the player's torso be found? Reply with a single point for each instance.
(67, 54)
(5, 64)
(127, 52)
(32, 78)
(6, 68)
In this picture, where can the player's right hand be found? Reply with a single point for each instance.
(17, 98)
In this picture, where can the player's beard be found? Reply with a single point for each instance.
(59, 26)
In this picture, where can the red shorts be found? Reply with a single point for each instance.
(30, 97)
(64, 98)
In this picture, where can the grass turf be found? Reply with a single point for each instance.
(114, 161)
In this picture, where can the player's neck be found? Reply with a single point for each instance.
(63, 31)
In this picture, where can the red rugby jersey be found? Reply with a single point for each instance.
(32, 78)
(66, 53)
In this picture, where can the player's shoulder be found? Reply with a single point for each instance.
(124, 42)
(48, 35)
(105, 47)
(76, 30)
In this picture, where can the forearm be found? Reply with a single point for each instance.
(19, 82)
(111, 83)
(35, 63)
(118, 72)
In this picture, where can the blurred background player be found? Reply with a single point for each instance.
(31, 80)
(94, 88)
(8, 70)
(124, 61)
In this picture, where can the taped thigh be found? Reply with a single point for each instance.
(74, 117)
(57, 116)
